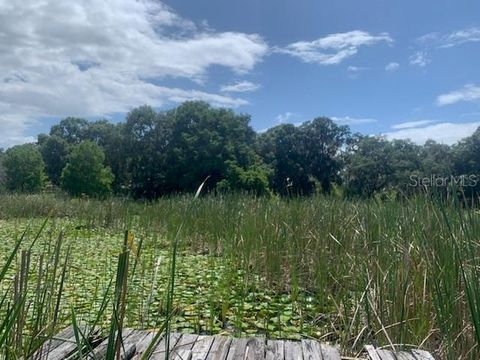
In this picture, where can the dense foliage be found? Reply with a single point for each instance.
(152, 154)
(24, 169)
(85, 173)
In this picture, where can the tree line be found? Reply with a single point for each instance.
(152, 154)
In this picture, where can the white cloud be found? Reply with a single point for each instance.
(94, 58)
(412, 124)
(355, 71)
(392, 67)
(356, 68)
(469, 93)
(285, 117)
(347, 120)
(455, 38)
(446, 132)
(428, 38)
(334, 48)
(242, 86)
(419, 59)
(12, 130)
(461, 37)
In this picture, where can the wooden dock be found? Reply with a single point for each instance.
(203, 347)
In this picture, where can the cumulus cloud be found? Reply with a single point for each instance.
(392, 67)
(12, 130)
(419, 58)
(94, 58)
(241, 86)
(469, 93)
(334, 48)
(445, 132)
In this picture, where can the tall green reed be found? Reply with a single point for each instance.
(386, 272)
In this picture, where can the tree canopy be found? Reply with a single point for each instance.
(24, 169)
(85, 172)
(152, 154)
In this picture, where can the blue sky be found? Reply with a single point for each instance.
(405, 69)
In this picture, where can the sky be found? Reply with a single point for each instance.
(401, 69)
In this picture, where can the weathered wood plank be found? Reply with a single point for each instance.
(404, 355)
(62, 351)
(66, 349)
(379, 354)
(275, 350)
(187, 341)
(143, 344)
(202, 347)
(386, 354)
(219, 349)
(101, 349)
(255, 349)
(293, 350)
(56, 341)
(237, 349)
(194, 347)
(422, 355)
(160, 351)
(231, 350)
(184, 346)
(311, 350)
(329, 352)
(129, 346)
(183, 354)
(372, 352)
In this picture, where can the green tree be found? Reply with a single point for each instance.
(24, 169)
(282, 148)
(437, 159)
(85, 172)
(202, 142)
(175, 151)
(376, 165)
(322, 142)
(253, 180)
(466, 155)
(304, 156)
(72, 130)
(146, 136)
(54, 150)
(407, 164)
(110, 138)
(368, 167)
(466, 163)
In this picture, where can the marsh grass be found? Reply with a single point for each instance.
(352, 272)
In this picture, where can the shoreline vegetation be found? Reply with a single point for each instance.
(156, 154)
(347, 271)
